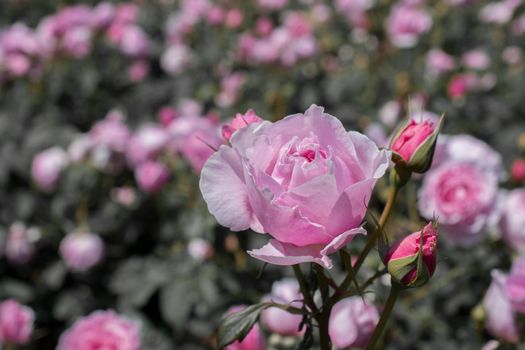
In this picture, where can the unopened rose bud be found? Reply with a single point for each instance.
(518, 171)
(240, 121)
(81, 250)
(414, 143)
(412, 260)
(16, 322)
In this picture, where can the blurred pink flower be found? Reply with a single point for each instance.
(19, 249)
(138, 71)
(16, 323)
(152, 176)
(286, 292)
(47, 167)
(406, 24)
(272, 4)
(512, 220)
(146, 143)
(312, 172)
(81, 250)
(101, 330)
(439, 62)
(462, 196)
(166, 115)
(195, 138)
(476, 59)
(518, 171)
(500, 318)
(176, 58)
(352, 322)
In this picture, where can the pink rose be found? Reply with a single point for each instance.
(518, 171)
(439, 62)
(101, 330)
(352, 322)
(239, 122)
(81, 250)
(406, 24)
(18, 248)
(47, 166)
(16, 322)
(500, 318)
(476, 59)
(151, 176)
(458, 86)
(254, 340)
(462, 196)
(111, 133)
(166, 115)
(409, 247)
(195, 138)
(411, 137)
(304, 180)
(285, 291)
(512, 221)
(146, 143)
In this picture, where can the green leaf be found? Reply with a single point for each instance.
(236, 326)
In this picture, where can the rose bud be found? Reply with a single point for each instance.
(412, 260)
(16, 322)
(414, 143)
(518, 171)
(239, 122)
(81, 250)
(200, 249)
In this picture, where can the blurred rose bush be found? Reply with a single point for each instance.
(111, 113)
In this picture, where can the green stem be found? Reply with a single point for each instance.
(385, 316)
(308, 300)
(321, 317)
(9, 347)
(375, 236)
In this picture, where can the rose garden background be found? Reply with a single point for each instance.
(109, 111)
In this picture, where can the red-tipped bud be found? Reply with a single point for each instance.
(240, 121)
(412, 260)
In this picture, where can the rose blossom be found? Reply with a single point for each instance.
(476, 59)
(151, 176)
(47, 166)
(195, 138)
(16, 322)
(500, 318)
(304, 180)
(406, 24)
(515, 286)
(352, 322)
(285, 291)
(147, 142)
(239, 122)
(462, 196)
(512, 221)
(409, 246)
(81, 250)
(101, 330)
(254, 340)
(439, 62)
(411, 137)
